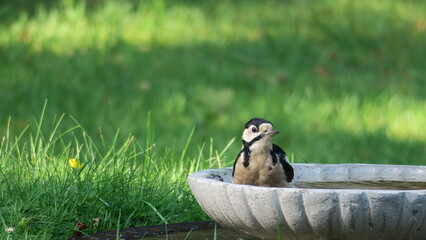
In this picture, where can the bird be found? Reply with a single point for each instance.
(260, 162)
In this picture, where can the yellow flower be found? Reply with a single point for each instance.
(74, 163)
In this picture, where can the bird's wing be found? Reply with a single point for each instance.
(235, 163)
(288, 169)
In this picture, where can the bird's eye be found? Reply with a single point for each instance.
(254, 129)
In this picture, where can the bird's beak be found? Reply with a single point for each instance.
(271, 133)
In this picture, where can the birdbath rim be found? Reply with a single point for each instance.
(310, 213)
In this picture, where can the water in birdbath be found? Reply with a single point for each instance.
(378, 185)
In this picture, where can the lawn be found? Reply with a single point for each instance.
(142, 93)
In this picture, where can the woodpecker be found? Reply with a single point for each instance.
(260, 162)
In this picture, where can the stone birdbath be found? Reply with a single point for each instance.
(329, 201)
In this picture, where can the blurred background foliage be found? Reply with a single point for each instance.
(344, 81)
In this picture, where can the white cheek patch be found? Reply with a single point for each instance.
(248, 135)
(265, 126)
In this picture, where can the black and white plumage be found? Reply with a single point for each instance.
(260, 162)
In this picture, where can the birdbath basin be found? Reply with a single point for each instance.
(329, 201)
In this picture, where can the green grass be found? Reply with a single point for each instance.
(122, 183)
(129, 84)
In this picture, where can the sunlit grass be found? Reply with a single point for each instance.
(402, 119)
(72, 26)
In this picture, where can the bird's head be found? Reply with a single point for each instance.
(258, 130)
